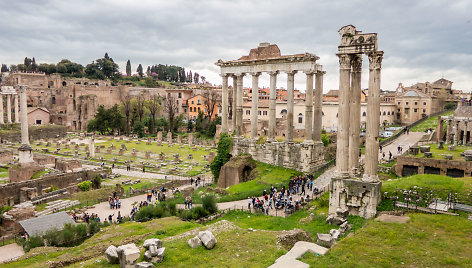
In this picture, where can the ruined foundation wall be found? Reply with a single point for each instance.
(302, 157)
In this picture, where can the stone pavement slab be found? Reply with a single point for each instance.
(297, 251)
(392, 218)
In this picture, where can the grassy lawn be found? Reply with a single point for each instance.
(429, 181)
(439, 153)
(130, 232)
(425, 241)
(431, 122)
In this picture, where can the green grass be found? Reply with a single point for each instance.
(425, 241)
(431, 122)
(439, 153)
(38, 174)
(436, 182)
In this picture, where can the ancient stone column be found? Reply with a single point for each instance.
(309, 108)
(9, 108)
(233, 111)
(373, 118)
(17, 117)
(464, 138)
(272, 103)
(25, 152)
(355, 112)
(92, 146)
(456, 132)
(318, 111)
(448, 131)
(239, 104)
(255, 102)
(342, 147)
(1, 109)
(439, 129)
(290, 87)
(224, 104)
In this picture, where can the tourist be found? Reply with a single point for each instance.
(249, 200)
(389, 156)
(380, 147)
(110, 218)
(189, 202)
(191, 181)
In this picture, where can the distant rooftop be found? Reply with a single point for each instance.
(39, 225)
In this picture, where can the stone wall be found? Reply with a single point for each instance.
(10, 193)
(6, 156)
(299, 156)
(408, 165)
(35, 133)
(236, 170)
(23, 173)
(67, 165)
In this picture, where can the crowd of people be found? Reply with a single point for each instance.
(288, 198)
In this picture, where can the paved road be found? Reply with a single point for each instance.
(10, 251)
(405, 141)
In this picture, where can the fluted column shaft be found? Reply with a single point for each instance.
(9, 108)
(309, 108)
(239, 105)
(224, 104)
(233, 114)
(317, 109)
(24, 116)
(255, 102)
(17, 117)
(342, 147)
(373, 117)
(439, 130)
(290, 87)
(272, 103)
(355, 112)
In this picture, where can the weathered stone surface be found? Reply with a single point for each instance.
(236, 170)
(144, 265)
(325, 240)
(345, 227)
(208, 239)
(448, 156)
(128, 254)
(112, 255)
(335, 234)
(428, 154)
(451, 148)
(194, 242)
(153, 250)
(152, 241)
(160, 255)
(289, 238)
(147, 255)
(424, 149)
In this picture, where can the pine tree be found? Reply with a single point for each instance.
(140, 70)
(106, 56)
(128, 68)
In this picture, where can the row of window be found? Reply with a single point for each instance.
(248, 112)
(416, 103)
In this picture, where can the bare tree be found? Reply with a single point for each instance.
(127, 109)
(171, 109)
(212, 99)
(154, 106)
(139, 107)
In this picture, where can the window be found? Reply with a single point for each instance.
(415, 110)
(248, 112)
(388, 113)
(406, 103)
(394, 112)
(38, 122)
(424, 103)
(424, 111)
(259, 113)
(264, 113)
(192, 102)
(180, 95)
(416, 103)
(399, 103)
(198, 109)
(198, 102)
(384, 113)
(363, 114)
(53, 100)
(322, 113)
(300, 118)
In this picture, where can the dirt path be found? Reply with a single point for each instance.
(10, 251)
(405, 141)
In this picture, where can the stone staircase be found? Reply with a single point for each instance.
(58, 205)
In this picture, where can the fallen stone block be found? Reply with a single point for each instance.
(144, 265)
(208, 239)
(325, 240)
(335, 234)
(111, 255)
(152, 241)
(128, 254)
(194, 242)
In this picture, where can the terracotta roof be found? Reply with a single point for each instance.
(261, 104)
(32, 109)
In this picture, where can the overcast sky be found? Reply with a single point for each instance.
(422, 40)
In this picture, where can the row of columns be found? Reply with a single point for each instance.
(313, 115)
(452, 127)
(348, 140)
(9, 115)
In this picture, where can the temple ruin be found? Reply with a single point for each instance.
(351, 191)
(307, 156)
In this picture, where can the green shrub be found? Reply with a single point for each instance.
(97, 182)
(385, 205)
(223, 154)
(325, 139)
(85, 185)
(33, 242)
(209, 204)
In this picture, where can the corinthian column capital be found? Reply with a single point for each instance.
(344, 61)
(356, 62)
(375, 60)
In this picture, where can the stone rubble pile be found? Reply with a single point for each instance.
(204, 237)
(329, 240)
(154, 250)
